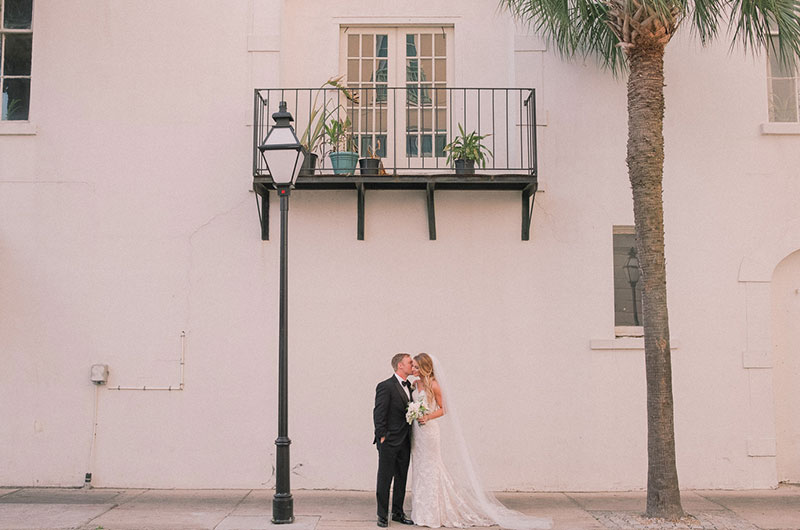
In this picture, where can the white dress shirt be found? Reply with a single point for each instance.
(405, 388)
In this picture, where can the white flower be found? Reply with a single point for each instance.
(416, 410)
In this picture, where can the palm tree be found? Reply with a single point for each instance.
(633, 34)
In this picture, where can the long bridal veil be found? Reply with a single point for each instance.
(459, 462)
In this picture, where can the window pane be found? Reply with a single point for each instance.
(366, 120)
(18, 55)
(366, 145)
(427, 120)
(425, 45)
(441, 70)
(441, 141)
(411, 145)
(367, 45)
(366, 71)
(441, 120)
(352, 70)
(426, 73)
(427, 145)
(18, 14)
(439, 44)
(381, 45)
(441, 96)
(382, 119)
(627, 282)
(352, 45)
(783, 100)
(777, 68)
(412, 70)
(380, 140)
(16, 99)
(412, 120)
(411, 45)
(382, 73)
(381, 94)
(412, 97)
(425, 95)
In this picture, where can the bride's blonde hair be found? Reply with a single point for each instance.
(426, 375)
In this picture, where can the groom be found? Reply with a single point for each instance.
(393, 439)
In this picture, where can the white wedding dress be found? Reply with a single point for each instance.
(436, 501)
(453, 498)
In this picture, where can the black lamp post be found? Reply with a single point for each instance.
(283, 155)
(632, 268)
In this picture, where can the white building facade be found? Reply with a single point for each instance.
(130, 237)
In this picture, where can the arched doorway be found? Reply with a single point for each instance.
(785, 296)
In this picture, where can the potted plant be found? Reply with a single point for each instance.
(467, 149)
(312, 137)
(371, 164)
(343, 153)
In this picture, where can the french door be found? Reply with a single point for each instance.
(401, 76)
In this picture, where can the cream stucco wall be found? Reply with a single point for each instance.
(126, 219)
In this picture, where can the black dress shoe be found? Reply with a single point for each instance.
(401, 518)
(382, 522)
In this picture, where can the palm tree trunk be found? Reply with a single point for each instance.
(645, 169)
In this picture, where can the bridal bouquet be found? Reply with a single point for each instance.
(416, 410)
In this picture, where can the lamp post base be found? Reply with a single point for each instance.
(282, 508)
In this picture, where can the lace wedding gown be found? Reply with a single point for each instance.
(437, 500)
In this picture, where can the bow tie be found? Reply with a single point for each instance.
(407, 384)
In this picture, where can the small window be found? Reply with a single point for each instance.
(16, 42)
(783, 87)
(627, 283)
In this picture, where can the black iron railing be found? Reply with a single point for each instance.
(407, 127)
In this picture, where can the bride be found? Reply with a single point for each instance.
(437, 498)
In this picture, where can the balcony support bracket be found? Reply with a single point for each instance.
(262, 191)
(528, 199)
(361, 193)
(431, 212)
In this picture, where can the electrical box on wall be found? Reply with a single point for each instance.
(99, 374)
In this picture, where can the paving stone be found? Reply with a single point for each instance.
(50, 516)
(61, 496)
(263, 522)
(717, 520)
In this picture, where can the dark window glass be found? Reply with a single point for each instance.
(18, 14)
(382, 72)
(441, 141)
(17, 54)
(427, 145)
(411, 45)
(16, 99)
(381, 45)
(627, 282)
(366, 145)
(16, 41)
(411, 145)
(381, 143)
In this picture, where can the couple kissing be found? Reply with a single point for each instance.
(413, 424)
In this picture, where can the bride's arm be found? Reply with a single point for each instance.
(438, 413)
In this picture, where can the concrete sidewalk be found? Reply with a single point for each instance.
(128, 509)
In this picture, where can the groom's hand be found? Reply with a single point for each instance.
(383, 439)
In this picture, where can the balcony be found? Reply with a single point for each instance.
(408, 129)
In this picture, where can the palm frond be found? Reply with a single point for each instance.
(573, 27)
(755, 21)
(706, 16)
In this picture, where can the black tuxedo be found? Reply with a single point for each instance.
(394, 454)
